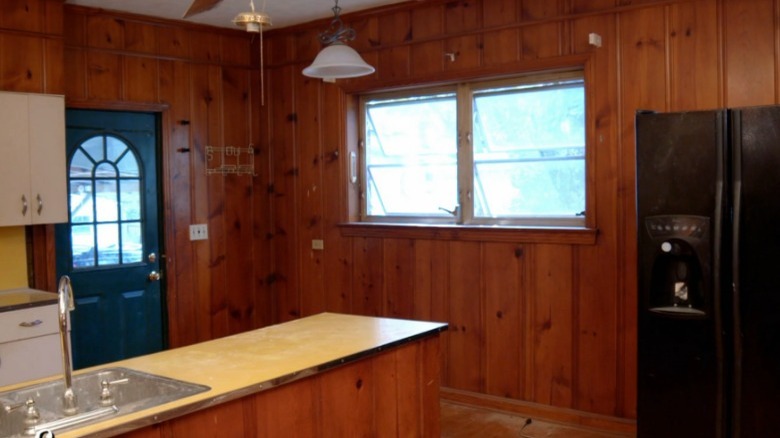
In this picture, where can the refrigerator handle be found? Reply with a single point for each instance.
(736, 178)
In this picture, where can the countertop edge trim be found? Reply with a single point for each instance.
(186, 409)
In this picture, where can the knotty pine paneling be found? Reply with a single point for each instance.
(692, 28)
(566, 332)
(466, 336)
(283, 167)
(22, 63)
(498, 12)
(29, 15)
(142, 79)
(551, 363)
(175, 87)
(337, 260)
(308, 101)
(238, 218)
(367, 277)
(503, 268)
(398, 278)
(750, 53)
(568, 311)
(205, 85)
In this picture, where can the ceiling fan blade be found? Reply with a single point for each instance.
(199, 6)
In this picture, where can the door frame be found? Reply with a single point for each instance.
(41, 257)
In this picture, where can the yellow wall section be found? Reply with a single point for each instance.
(13, 258)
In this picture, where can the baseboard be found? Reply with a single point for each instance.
(553, 414)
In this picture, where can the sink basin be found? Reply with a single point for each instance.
(127, 391)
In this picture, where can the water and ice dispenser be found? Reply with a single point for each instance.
(677, 275)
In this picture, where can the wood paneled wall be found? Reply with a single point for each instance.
(542, 319)
(205, 84)
(535, 318)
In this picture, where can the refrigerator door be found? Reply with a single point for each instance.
(680, 203)
(756, 268)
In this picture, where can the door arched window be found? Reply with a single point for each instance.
(105, 181)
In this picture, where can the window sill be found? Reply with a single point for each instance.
(485, 233)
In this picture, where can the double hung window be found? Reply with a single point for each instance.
(506, 152)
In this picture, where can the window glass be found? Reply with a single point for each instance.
(522, 158)
(411, 155)
(105, 204)
(529, 150)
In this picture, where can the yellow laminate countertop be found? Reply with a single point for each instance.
(246, 363)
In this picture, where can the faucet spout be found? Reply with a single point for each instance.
(66, 304)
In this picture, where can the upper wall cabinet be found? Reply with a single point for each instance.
(32, 159)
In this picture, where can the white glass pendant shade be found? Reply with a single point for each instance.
(338, 60)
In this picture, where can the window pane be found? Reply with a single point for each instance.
(131, 199)
(80, 165)
(108, 244)
(82, 239)
(94, 148)
(131, 242)
(531, 188)
(529, 150)
(105, 170)
(128, 166)
(412, 190)
(81, 201)
(411, 155)
(106, 200)
(114, 148)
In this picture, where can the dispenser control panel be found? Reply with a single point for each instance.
(661, 227)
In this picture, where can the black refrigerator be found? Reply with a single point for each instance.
(708, 227)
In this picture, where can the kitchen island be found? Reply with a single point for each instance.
(324, 375)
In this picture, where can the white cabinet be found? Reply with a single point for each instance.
(29, 344)
(32, 159)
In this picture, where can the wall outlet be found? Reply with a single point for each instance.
(317, 244)
(199, 232)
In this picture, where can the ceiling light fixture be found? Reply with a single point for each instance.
(337, 60)
(254, 22)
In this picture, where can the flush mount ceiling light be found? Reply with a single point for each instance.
(337, 60)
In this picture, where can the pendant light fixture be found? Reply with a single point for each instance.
(337, 60)
(253, 22)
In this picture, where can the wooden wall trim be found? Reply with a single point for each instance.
(540, 411)
(571, 236)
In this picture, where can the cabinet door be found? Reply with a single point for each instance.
(14, 160)
(30, 359)
(49, 191)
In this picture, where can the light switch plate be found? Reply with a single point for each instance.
(317, 244)
(199, 232)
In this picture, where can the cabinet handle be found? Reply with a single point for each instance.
(30, 323)
(24, 205)
(40, 204)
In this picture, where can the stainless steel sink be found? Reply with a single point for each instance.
(101, 394)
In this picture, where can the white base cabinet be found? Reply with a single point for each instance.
(29, 344)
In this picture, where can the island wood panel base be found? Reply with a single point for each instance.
(392, 393)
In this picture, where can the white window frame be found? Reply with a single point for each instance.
(465, 179)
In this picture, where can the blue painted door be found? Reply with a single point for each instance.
(110, 246)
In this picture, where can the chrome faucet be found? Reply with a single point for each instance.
(66, 304)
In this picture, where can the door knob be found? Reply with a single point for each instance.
(154, 276)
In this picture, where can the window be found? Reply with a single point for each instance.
(105, 203)
(508, 152)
